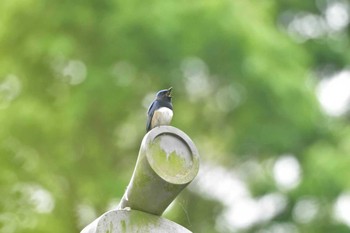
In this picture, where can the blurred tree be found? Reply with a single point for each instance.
(76, 79)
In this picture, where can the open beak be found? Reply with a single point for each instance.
(169, 92)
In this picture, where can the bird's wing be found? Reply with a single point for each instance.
(150, 112)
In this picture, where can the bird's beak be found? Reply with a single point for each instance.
(169, 92)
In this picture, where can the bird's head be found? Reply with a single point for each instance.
(164, 94)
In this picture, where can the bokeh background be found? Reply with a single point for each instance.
(262, 88)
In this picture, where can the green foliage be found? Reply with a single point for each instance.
(76, 78)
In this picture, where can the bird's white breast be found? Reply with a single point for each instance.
(162, 116)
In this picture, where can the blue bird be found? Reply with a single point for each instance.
(160, 112)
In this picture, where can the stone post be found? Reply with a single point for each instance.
(167, 162)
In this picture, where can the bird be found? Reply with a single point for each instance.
(160, 112)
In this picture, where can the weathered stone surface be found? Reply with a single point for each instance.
(168, 161)
(132, 221)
